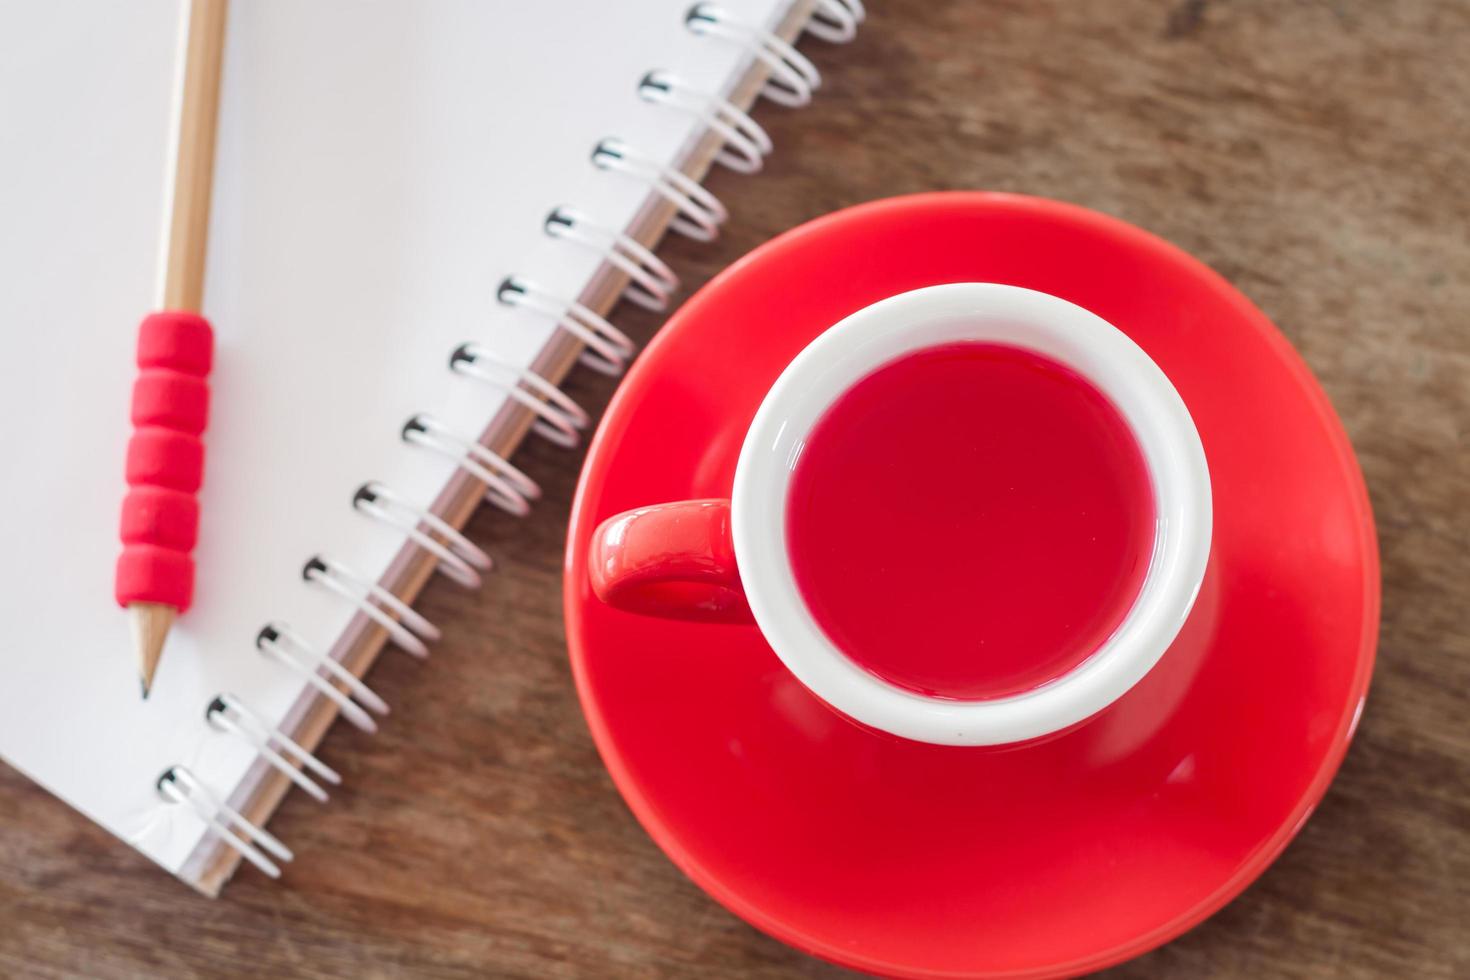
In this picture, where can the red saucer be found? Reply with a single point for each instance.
(1059, 858)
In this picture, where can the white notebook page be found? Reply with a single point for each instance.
(381, 166)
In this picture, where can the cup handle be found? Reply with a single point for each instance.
(671, 560)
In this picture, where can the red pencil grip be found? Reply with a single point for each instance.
(160, 457)
(183, 342)
(171, 400)
(166, 518)
(165, 461)
(148, 573)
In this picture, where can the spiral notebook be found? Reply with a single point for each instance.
(423, 213)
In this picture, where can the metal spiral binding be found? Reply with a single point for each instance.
(290, 649)
(836, 21)
(408, 632)
(793, 76)
(559, 419)
(459, 558)
(746, 141)
(652, 281)
(505, 485)
(700, 213)
(228, 713)
(609, 348)
(179, 785)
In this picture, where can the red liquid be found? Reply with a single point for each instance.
(970, 521)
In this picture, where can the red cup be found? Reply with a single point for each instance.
(726, 561)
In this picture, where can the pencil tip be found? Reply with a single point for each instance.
(151, 623)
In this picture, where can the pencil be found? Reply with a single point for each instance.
(165, 460)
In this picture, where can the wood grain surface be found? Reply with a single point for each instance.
(1316, 153)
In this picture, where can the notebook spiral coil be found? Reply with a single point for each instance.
(559, 419)
(406, 628)
(746, 141)
(793, 76)
(505, 485)
(179, 785)
(700, 213)
(556, 417)
(460, 559)
(292, 651)
(836, 21)
(227, 713)
(651, 283)
(608, 348)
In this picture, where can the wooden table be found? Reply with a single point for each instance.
(1316, 153)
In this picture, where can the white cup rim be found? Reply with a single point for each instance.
(987, 313)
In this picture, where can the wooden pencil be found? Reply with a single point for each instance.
(165, 460)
